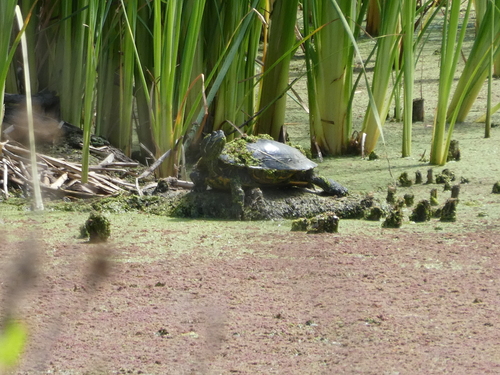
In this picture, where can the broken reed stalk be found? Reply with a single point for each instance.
(160, 160)
(60, 177)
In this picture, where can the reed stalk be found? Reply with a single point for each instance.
(93, 39)
(451, 44)
(387, 52)
(491, 65)
(216, 72)
(68, 77)
(173, 54)
(329, 61)
(224, 20)
(276, 68)
(127, 81)
(72, 111)
(480, 10)
(109, 90)
(373, 17)
(408, 10)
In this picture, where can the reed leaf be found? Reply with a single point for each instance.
(7, 11)
(480, 49)
(480, 10)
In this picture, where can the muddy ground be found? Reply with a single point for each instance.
(182, 296)
(189, 298)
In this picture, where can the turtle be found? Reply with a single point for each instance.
(255, 162)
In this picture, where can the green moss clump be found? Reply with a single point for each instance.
(300, 225)
(324, 223)
(418, 177)
(430, 176)
(255, 138)
(404, 180)
(449, 210)
(303, 151)
(153, 204)
(436, 213)
(22, 204)
(453, 151)
(394, 219)
(237, 151)
(98, 227)
(400, 203)
(496, 188)
(433, 199)
(374, 214)
(209, 204)
(445, 177)
(391, 195)
(422, 212)
(409, 199)
(83, 231)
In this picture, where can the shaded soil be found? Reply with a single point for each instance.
(385, 303)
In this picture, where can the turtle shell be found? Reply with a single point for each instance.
(270, 155)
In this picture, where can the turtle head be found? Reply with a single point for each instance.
(212, 145)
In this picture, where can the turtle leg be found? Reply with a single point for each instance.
(199, 180)
(253, 197)
(329, 186)
(238, 197)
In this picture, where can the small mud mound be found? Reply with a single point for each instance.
(270, 204)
